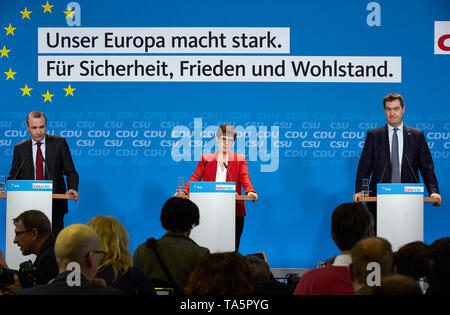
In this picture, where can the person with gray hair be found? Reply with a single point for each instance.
(77, 251)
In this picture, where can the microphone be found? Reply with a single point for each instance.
(21, 164)
(225, 164)
(46, 169)
(411, 169)
(200, 174)
(382, 173)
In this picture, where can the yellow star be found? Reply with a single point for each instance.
(69, 14)
(47, 7)
(26, 90)
(69, 90)
(9, 30)
(4, 52)
(25, 13)
(48, 97)
(10, 74)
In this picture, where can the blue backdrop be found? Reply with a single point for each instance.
(121, 133)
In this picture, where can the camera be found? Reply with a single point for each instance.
(27, 275)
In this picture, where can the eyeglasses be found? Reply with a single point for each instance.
(99, 252)
(227, 140)
(21, 232)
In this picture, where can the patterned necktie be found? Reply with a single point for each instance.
(39, 163)
(395, 176)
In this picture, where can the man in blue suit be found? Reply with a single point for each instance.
(395, 153)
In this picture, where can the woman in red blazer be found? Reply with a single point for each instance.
(226, 166)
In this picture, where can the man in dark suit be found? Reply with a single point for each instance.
(45, 157)
(395, 153)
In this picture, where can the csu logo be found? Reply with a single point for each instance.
(442, 37)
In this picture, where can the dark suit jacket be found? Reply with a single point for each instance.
(45, 263)
(237, 169)
(58, 286)
(58, 162)
(133, 282)
(375, 160)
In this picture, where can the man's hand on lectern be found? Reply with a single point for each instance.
(439, 199)
(357, 196)
(74, 193)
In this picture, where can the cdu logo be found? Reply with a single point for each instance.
(442, 37)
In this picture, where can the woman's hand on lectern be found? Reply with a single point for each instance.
(253, 195)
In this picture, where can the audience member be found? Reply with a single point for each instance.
(264, 282)
(350, 222)
(169, 261)
(221, 274)
(439, 273)
(368, 251)
(77, 251)
(410, 260)
(116, 267)
(397, 285)
(34, 236)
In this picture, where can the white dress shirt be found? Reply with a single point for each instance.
(342, 260)
(221, 175)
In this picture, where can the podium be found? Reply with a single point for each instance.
(23, 195)
(217, 205)
(399, 212)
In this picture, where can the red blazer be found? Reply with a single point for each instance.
(237, 168)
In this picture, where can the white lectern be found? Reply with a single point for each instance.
(217, 204)
(400, 213)
(24, 195)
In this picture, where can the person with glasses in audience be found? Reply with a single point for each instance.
(226, 166)
(78, 254)
(34, 236)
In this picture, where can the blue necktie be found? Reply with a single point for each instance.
(395, 175)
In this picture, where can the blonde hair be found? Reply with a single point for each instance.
(114, 241)
(73, 243)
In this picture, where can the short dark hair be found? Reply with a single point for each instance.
(226, 130)
(36, 114)
(221, 274)
(350, 222)
(179, 215)
(392, 97)
(259, 269)
(35, 219)
(411, 260)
